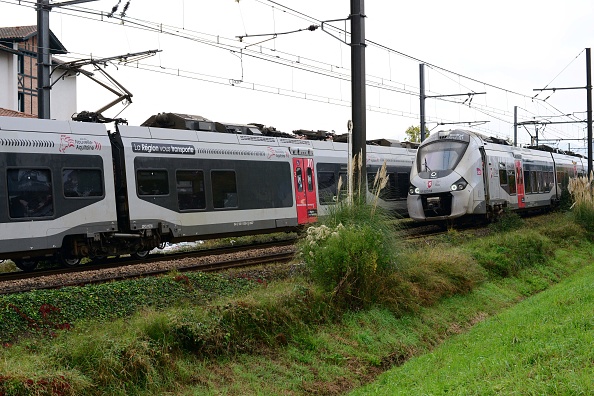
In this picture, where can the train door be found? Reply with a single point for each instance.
(486, 171)
(520, 183)
(305, 190)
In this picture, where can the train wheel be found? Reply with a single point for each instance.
(25, 265)
(70, 261)
(141, 254)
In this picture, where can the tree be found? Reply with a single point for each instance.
(413, 133)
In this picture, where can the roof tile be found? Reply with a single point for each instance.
(12, 113)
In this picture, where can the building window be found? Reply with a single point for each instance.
(21, 63)
(21, 102)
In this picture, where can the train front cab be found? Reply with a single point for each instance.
(446, 176)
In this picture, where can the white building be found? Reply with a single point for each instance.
(18, 74)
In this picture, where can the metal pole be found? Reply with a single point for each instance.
(589, 104)
(358, 92)
(43, 60)
(422, 98)
(515, 126)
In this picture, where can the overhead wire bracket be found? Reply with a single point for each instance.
(116, 88)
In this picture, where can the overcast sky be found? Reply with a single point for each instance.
(300, 80)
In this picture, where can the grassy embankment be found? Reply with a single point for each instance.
(542, 346)
(332, 328)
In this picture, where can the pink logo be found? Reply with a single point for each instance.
(270, 152)
(479, 171)
(81, 144)
(65, 142)
(429, 183)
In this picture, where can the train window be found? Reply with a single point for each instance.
(328, 184)
(342, 182)
(326, 187)
(527, 185)
(390, 190)
(511, 180)
(82, 183)
(548, 181)
(502, 177)
(30, 193)
(533, 182)
(224, 189)
(190, 190)
(440, 155)
(371, 182)
(403, 182)
(539, 181)
(152, 182)
(309, 179)
(299, 173)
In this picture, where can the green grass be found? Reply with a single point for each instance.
(210, 334)
(544, 345)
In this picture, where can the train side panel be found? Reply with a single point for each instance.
(57, 180)
(332, 165)
(206, 184)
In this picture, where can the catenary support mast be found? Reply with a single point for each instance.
(358, 92)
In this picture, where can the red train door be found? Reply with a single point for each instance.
(520, 184)
(305, 190)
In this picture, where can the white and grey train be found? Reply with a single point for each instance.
(71, 190)
(460, 173)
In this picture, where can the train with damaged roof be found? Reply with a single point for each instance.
(460, 174)
(73, 190)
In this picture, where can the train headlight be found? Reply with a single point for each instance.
(412, 190)
(459, 185)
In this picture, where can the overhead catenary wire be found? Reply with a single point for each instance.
(187, 34)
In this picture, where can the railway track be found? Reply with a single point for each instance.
(203, 260)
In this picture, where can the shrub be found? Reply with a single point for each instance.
(351, 251)
(506, 254)
(507, 221)
(429, 275)
(241, 324)
(347, 260)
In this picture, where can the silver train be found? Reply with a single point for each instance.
(459, 173)
(72, 190)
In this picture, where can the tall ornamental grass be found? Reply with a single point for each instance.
(581, 189)
(351, 250)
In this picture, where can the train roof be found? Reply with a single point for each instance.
(496, 140)
(180, 121)
(199, 123)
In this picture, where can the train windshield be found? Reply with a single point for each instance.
(440, 155)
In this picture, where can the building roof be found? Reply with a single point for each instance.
(12, 113)
(9, 50)
(24, 33)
